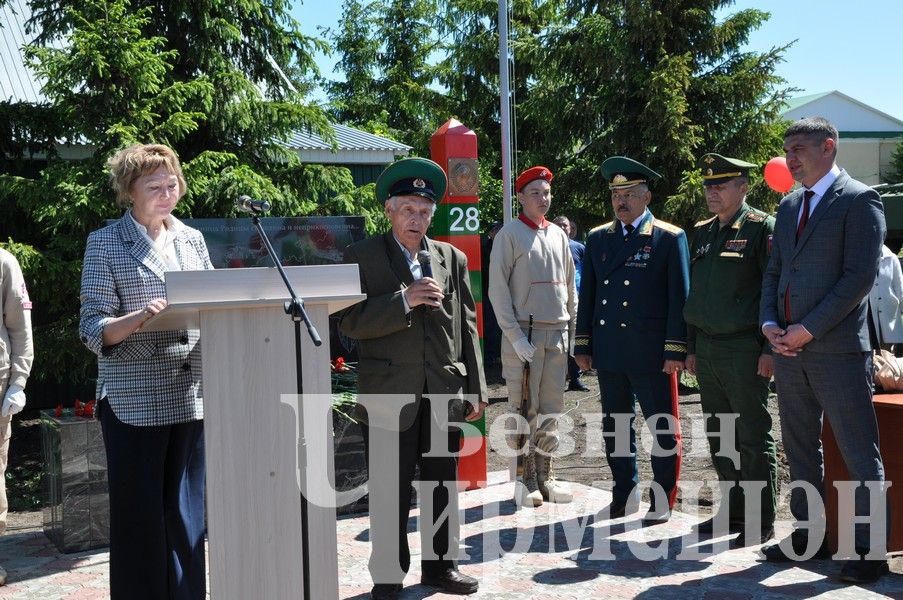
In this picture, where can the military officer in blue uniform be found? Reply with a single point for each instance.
(726, 351)
(630, 328)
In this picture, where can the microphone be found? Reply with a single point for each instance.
(426, 267)
(248, 204)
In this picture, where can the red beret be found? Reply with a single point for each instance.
(532, 174)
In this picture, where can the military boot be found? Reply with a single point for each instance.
(551, 490)
(527, 493)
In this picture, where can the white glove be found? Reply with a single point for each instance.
(13, 402)
(524, 349)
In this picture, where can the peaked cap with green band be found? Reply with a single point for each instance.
(412, 177)
(623, 173)
(719, 169)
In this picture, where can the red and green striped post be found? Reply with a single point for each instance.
(457, 221)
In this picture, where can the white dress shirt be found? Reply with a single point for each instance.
(164, 245)
(820, 188)
(413, 265)
(636, 222)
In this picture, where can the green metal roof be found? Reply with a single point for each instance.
(794, 103)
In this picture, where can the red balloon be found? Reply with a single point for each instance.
(778, 176)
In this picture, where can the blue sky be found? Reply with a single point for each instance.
(853, 47)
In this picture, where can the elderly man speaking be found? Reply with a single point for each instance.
(418, 340)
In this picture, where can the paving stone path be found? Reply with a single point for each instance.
(553, 552)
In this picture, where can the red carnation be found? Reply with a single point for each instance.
(322, 237)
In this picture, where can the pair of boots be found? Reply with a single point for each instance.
(539, 483)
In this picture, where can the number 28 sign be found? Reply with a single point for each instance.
(464, 219)
(457, 221)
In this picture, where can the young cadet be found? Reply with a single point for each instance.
(531, 272)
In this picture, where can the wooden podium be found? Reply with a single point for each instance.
(253, 420)
(889, 414)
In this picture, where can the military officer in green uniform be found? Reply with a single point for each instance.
(725, 349)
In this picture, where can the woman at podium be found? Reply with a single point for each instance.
(149, 383)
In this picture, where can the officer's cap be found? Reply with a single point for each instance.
(412, 177)
(623, 173)
(720, 169)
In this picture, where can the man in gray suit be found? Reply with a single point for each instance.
(418, 344)
(827, 241)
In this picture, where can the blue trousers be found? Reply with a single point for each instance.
(156, 481)
(573, 371)
(620, 391)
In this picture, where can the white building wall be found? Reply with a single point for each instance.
(348, 157)
(867, 159)
(846, 114)
(861, 159)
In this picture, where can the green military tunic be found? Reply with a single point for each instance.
(722, 310)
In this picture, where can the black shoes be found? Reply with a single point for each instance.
(774, 552)
(863, 571)
(385, 591)
(766, 532)
(577, 386)
(451, 581)
(656, 517)
(754, 538)
(708, 527)
(616, 510)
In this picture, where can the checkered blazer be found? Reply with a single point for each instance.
(150, 378)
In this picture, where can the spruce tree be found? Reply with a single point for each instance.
(895, 174)
(223, 83)
(660, 81)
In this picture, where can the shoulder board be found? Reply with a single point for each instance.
(705, 221)
(601, 227)
(668, 227)
(755, 216)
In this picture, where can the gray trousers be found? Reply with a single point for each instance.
(838, 386)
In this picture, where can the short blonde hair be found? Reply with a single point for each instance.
(132, 162)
